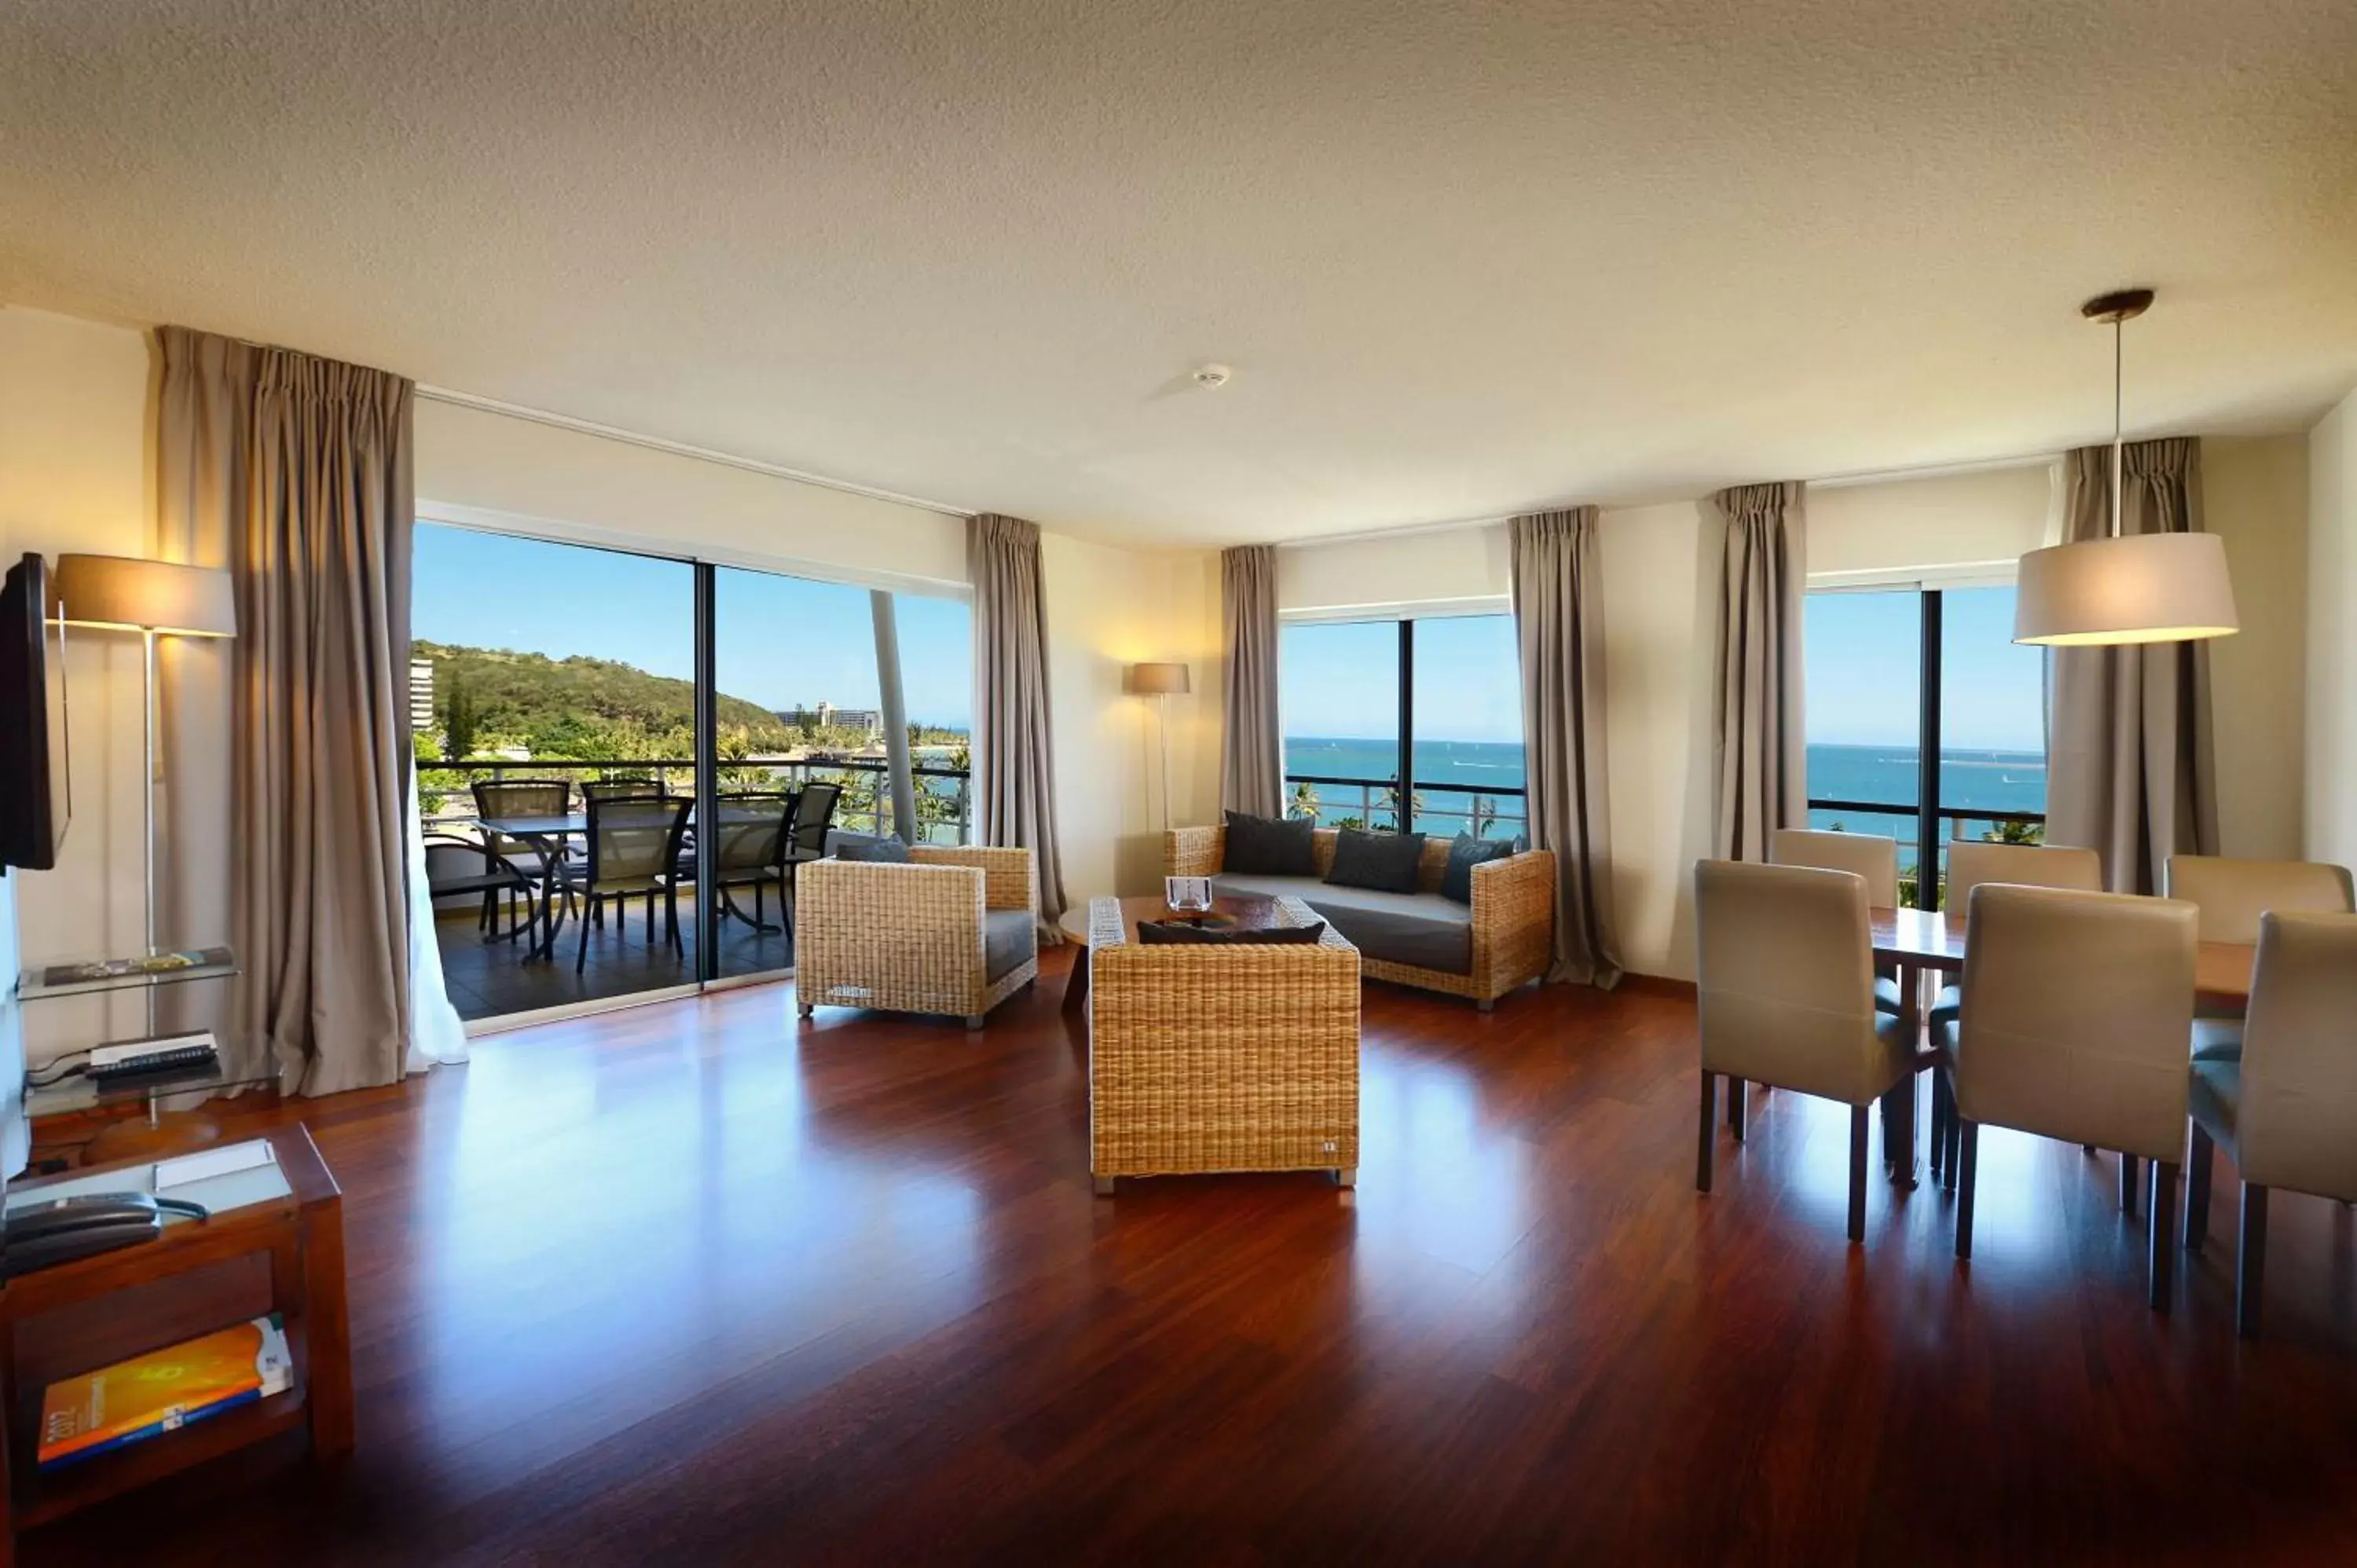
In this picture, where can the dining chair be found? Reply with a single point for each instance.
(1785, 974)
(520, 798)
(2231, 895)
(747, 846)
(463, 868)
(621, 789)
(2076, 1011)
(634, 845)
(806, 831)
(1972, 861)
(1869, 856)
(2286, 1111)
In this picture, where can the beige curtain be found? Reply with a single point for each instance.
(1559, 623)
(1761, 749)
(298, 469)
(2131, 771)
(1252, 756)
(1014, 767)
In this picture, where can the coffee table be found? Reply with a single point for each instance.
(1249, 912)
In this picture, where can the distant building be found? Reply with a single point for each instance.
(826, 716)
(421, 694)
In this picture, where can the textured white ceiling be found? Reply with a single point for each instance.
(1464, 257)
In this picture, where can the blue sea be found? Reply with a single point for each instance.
(1992, 781)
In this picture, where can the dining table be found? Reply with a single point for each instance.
(1921, 941)
(547, 834)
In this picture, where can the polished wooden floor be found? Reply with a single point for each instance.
(695, 1284)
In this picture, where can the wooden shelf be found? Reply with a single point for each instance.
(44, 1495)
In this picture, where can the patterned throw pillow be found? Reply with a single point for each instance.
(1465, 853)
(1269, 846)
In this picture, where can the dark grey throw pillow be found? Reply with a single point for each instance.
(1269, 846)
(873, 852)
(1465, 853)
(1385, 862)
(1184, 933)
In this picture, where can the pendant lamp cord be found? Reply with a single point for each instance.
(2118, 480)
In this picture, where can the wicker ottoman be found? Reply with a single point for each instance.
(1203, 1058)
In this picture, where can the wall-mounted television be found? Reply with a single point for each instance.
(36, 798)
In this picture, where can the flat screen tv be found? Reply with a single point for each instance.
(35, 800)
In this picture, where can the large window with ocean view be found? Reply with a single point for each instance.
(1437, 700)
(1895, 674)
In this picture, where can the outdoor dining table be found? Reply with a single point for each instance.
(546, 835)
(1931, 940)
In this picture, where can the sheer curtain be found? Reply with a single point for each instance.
(1559, 625)
(437, 1037)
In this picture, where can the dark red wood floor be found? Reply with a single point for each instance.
(696, 1285)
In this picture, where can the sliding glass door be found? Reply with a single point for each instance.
(685, 735)
(1896, 676)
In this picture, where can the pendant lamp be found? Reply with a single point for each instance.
(2126, 587)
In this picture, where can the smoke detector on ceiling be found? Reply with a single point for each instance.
(1212, 375)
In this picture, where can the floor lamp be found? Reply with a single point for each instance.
(154, 598)
(1159, 682)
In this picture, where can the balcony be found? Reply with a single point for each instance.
(490, 973)
(1444, 808)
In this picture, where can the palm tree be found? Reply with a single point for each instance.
(2016, 832)
(1305, 801)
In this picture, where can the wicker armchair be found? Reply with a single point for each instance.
(1514, 911)
(938, 935)
(1221, 1058)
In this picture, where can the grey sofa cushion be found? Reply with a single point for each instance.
(1269, 846)
(1386, 862)
(1010, 941)
(873, 852)
(1420, 929)
(1465, 853)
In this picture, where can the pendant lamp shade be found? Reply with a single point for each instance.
(2138, 587)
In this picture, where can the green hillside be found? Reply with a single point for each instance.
(585, 708)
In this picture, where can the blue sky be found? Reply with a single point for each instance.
(1341, 679)
(1862, 663)
(780, 641)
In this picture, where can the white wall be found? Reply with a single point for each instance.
(1108, 609)
(2254, 496)
(2331, 805)
(76, 476)
(1661, 576)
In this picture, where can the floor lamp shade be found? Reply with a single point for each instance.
(2137, 587)
(161, 597)
(1157, 681)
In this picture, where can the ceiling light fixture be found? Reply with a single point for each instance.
(1212, 375)
(2125, 588)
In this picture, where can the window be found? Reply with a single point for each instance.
(1896, 674)
(1436, 699)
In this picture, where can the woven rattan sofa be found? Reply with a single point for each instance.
(1229, 1058)
(955, 931)
(1504, 940)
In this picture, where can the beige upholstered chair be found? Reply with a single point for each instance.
(1869, 856)
(2076, 1011)
(2287, 1110)
(1786, 979)
(2232, 895)
(1972, 861)
(951, 931)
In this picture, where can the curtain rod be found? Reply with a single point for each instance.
(683, 449)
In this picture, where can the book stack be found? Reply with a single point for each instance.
(163, 1390)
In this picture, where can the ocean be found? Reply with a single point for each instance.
(1992, 781)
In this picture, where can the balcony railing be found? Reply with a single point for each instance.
(944, 795)
(2013, 827)
(1496, 811)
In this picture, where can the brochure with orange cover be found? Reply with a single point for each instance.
(163, 1390)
